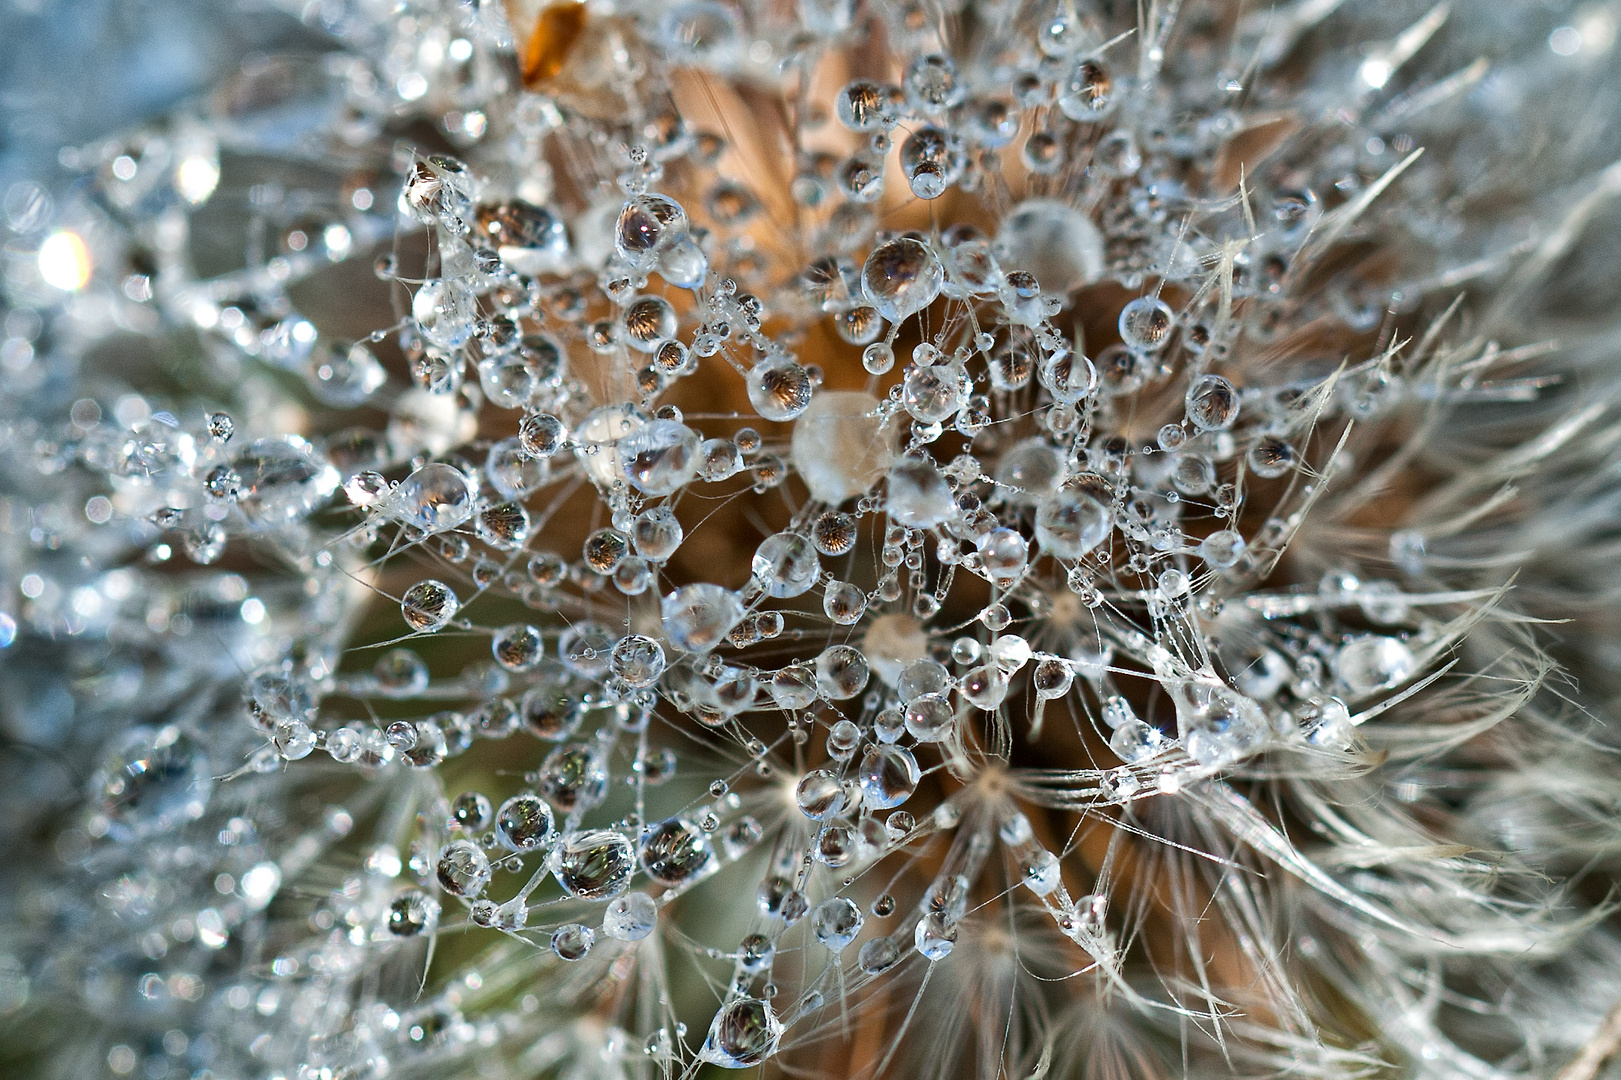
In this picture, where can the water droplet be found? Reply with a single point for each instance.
(786, 565)
(743, 1034)
(412, 912)
(594, 865)
(889, 774)
(1212, 403)
(836, 923)
(902, 277)
(841, 446)
(1072, 523)
(878, 955)
(934, 937)
(463, 868)
(1373, 662)
(153, 780)
(676, 852)
(779, 388)
(630, 917)
(572, 941)
(524, 823)
(697, 618)
(432, 499)
(660, 457)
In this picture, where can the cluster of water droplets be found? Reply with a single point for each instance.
(1017, 467)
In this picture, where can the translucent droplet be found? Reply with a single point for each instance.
(504, 526)
(786, 565)
(863, 106)
(889, 775)
(1271, 457)
(660, 457)
(819, 795)
(472, 811)
(637, 659)
(1146, 324)
(1055, 242)
(594, 865)
(779, 389)
(841, 672)
(1373, 662)
(517, 647)
(1222, 549)
(1029, 472)
(656, 534)
(1088, 93)
(836, 922)
(844, 603)
(445, 311)
(929, 718)
(697, 618)
(647, 223)
(412, 913)
(919, 496)
(153, 780)
(463, 868)
(524, 823)
(841, 446)
(902, 277)
(878, 955)
(934, 394)
(1218, 725)
(742, 1035)
(572, 941)
(985, 686)
(1003, 553)
(647, 321)
(282, 479)
(596, 441)
(541, 434)
(1072, 523)
(794, 687)
(834, 533)
(934, 937)
(630, 917)
(432, 499)
(676, 852)
(1212, 403)
(604, 550)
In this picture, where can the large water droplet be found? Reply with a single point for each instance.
(282, 479)
(889, 774)
(658, 458)
(434, 498)
(594, 865)
(697, 618)
(743, 1034)
(836, 922)
(463, 868)
(1072, 523)
(919, 495)
(1373, 662)
(524, 823)
(786, 565)
(630, 917)
(676, 852)
(902, 277)
(779, 389)
(1055, 242)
